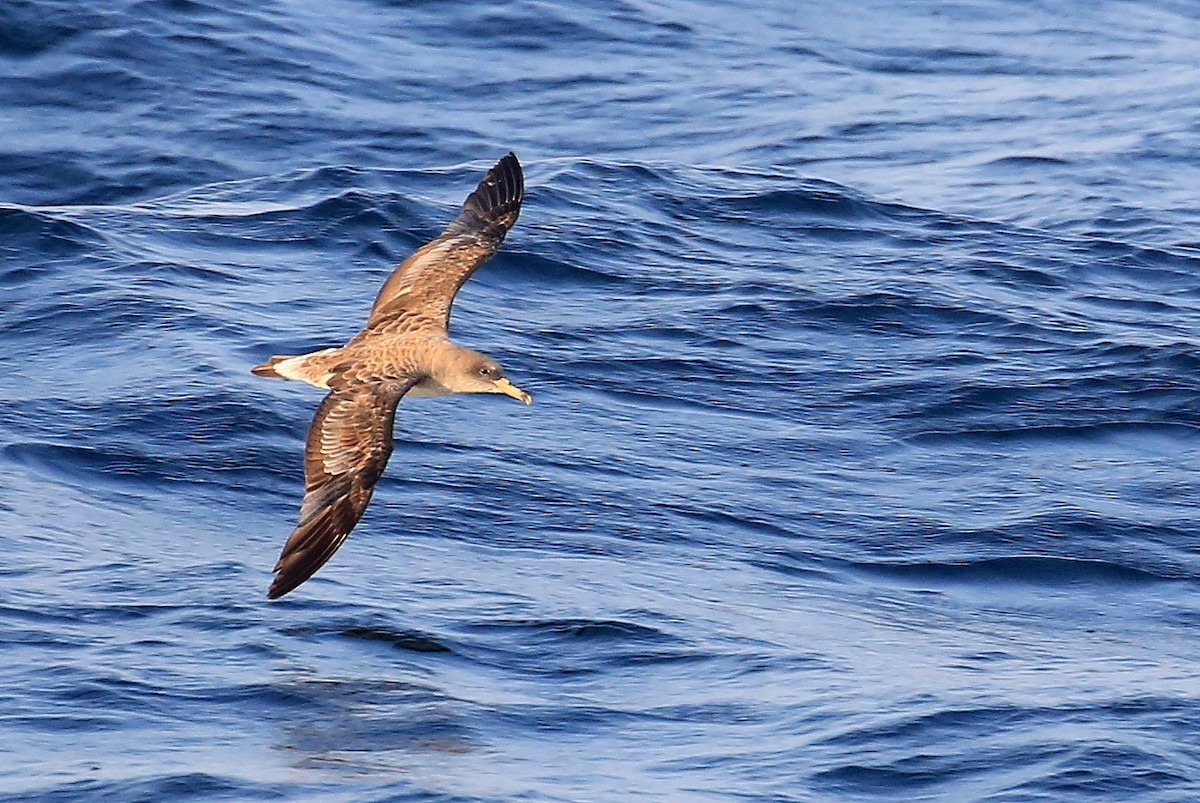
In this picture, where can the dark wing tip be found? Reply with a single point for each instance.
(292, 570)
(297, 565)
(285, 584)
(315, 540)
(282, 585)
(493, 207)
(504, 183)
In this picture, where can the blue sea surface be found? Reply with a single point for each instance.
(864, 340)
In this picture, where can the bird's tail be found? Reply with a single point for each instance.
(268, 367)
(315, 368)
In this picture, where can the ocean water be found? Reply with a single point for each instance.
(862, 465)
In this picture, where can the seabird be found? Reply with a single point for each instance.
(404, 349)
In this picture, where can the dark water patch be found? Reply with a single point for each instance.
(1018, 525)
(357, 724)
(1030, 570)
(567, 719)
(123, 467)
(63, 724)
(1149, 306)
(915, 751)
(902, 314)
(930, 774)
(1049, 435)
(1091, 771)
(934, 724)
(407, 640)
(348, 217)
(294, 190)
(545, 271)
(48, 614)
(734, 523)
(913, 60)
(520, 29)
(1147, 266)
(573, 648)
(672, 368)
(101, 316)
(168, 274)
(166, 786)
(31, 236)
(275, 697)
(1049, 275)
(814, 201)
(1164, 358)
(87, 464)
(221, 420)
(1027, 161)
(729, 714)
(16, 277)
(589, 630)
(36, 634)
(1049, 405)
(793, 562)
(28, 30)
(113, 693)
(679, 397)
(87, 84)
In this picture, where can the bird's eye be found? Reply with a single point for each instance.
(485, 371)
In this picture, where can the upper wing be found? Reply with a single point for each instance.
(419, 293)
(349, 444)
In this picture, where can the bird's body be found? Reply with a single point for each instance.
(405, 349)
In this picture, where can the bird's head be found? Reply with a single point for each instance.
(469, 371)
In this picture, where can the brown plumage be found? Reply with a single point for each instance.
(404, 349)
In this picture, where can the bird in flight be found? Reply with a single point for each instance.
(405, 349)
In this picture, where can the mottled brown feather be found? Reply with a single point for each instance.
(348, 446)
(419, 293)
